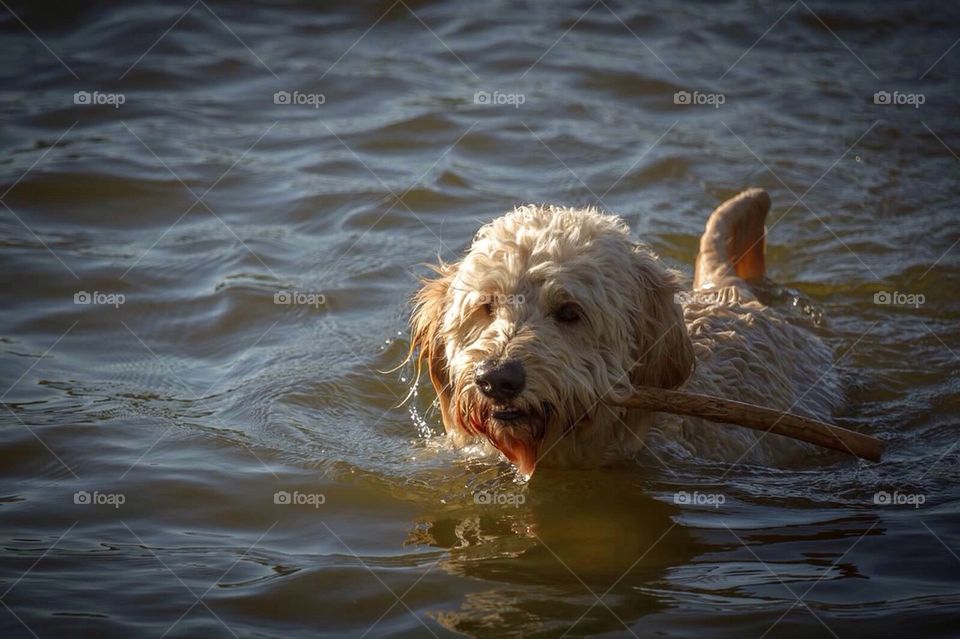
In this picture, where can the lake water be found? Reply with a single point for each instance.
(184, 455)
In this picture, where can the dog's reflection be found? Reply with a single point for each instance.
(553, 547)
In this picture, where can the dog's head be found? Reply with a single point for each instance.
(551, 310)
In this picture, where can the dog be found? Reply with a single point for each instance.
(553, 309)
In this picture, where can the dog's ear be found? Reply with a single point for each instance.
(664, 351)
(429, 306)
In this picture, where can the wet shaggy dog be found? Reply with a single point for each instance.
(554, 309)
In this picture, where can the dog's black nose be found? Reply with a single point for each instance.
(501, 381)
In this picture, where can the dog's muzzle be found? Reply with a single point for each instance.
(514, 429)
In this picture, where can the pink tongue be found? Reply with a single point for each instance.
(522, 453)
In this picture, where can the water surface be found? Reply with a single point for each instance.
(200, 402)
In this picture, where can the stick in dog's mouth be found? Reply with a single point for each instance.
(728, 411)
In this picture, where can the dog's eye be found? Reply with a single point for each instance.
(567, 313)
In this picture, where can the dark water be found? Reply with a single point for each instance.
(198, 399)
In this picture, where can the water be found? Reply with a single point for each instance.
(198, 400)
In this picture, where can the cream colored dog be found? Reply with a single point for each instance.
(554, 309)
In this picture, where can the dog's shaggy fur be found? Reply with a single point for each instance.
(589, 313)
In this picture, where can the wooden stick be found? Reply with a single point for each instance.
(729, 411)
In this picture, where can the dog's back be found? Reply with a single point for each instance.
(744, 349)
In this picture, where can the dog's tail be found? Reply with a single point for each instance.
(733, 245)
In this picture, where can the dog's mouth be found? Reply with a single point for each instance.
(515, 431)
(508, 414)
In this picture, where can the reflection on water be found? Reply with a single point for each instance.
(221, 455)
(629, 555)
(611, 546)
